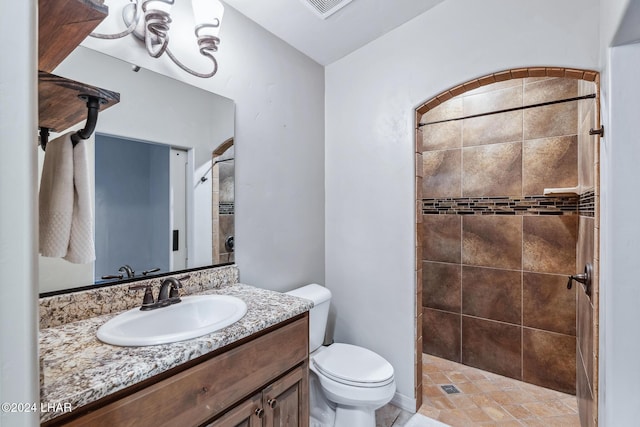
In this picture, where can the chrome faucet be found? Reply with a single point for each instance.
(128, 270)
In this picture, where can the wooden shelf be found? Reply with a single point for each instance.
(62, 25)
(59, 105)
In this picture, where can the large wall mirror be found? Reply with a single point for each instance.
(162, 170)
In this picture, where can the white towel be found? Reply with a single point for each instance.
(81, 246)
(56, 197)
(66, 219)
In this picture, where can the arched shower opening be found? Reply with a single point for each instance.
(496, 243)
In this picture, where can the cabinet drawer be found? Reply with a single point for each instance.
(199, 393)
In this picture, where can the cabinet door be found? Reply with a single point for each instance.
(248, 414)
(286, 401)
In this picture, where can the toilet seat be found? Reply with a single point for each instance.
(355, 366)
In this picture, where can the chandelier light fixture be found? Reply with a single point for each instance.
(150, 20)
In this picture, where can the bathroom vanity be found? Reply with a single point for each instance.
(271, 369)
(252, 373)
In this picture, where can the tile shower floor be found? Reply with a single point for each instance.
(486, 399)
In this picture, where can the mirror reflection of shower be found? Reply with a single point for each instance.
(223, 202)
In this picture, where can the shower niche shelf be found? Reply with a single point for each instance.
(562, 192)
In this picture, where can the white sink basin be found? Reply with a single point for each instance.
(193, 317)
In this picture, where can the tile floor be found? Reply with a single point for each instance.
(485, 399)
(391, 416)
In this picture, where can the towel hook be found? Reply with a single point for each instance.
(93, 107)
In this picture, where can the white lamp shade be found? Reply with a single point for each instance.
(162, 5)
(208, 12)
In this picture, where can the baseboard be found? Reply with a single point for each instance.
(403, 402)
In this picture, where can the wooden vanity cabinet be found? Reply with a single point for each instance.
(260, 382)
(282, 403)
(248, 414)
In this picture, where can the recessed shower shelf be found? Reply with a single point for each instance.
(564, 191)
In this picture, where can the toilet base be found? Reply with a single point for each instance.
(349, 416)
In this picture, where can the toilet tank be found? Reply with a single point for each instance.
(318, 315)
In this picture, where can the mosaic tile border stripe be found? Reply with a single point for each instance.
(587, 205)
(501, 205)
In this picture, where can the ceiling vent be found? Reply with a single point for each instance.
(326, 8)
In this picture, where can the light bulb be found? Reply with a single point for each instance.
(208, 14)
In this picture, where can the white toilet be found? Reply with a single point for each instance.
(347, 383)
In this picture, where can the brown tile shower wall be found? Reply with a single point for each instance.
(587, 251)
(223, 208)
(226, 230)
(495, 252)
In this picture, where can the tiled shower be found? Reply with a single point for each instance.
(223, 206)
(496, 252)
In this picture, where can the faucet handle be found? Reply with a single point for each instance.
(147, 300)
(153, 270)
(173, 292)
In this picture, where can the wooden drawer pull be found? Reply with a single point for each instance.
(272, 403)
(259, 412)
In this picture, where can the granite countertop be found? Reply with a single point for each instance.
(80, 369)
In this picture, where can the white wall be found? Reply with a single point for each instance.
(611, 15)
(619, 376)
(279, 137)
(620, 154)
(18, 290)
(369, 150)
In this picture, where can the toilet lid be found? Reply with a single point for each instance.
(350, 364)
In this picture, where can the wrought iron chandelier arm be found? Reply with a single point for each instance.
(208, 44)
(154, 31)
(130, 28)
(192, 72)
(157, 32)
